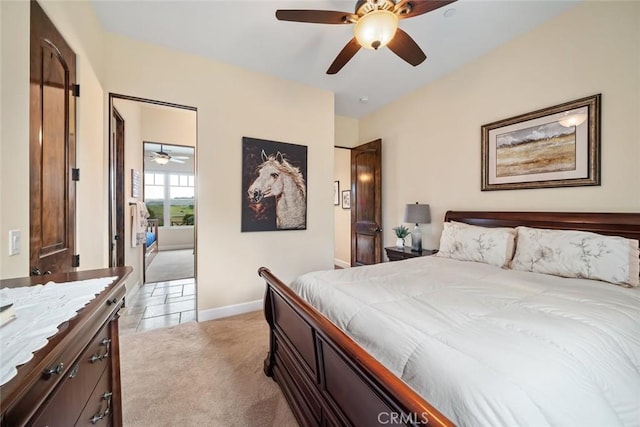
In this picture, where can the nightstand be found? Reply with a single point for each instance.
(397, 254)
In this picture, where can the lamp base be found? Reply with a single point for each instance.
(416, 239)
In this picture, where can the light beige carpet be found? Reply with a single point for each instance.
(201, 374)
(170, 265)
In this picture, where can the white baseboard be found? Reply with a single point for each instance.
(341, 263)
(229, 310)
(175, 247)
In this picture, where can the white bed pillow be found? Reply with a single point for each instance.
(581, 254)
(481, 244)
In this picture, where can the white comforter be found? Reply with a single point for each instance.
(493, 347)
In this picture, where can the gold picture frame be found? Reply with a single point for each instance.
(557, 146)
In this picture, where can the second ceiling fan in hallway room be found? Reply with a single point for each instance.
(163, 157)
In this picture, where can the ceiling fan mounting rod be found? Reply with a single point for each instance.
(365, 6)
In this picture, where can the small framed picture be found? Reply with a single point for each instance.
(336, 193)
(346, 199)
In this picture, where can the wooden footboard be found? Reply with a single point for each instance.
(326, 377)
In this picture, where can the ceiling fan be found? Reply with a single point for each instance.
(376, 26)
(162, 157)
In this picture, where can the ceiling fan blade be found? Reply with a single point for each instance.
(315, 16)
(418, 7)
(173, 159)
(180, 157)
(344, 56)
(406, 48)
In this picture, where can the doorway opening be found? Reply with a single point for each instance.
(153, 209)
(358, 204)
(169, 195)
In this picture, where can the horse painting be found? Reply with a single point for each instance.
(279, 179)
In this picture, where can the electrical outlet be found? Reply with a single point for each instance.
(14, 242)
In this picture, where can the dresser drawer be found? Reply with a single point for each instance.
(68, 400)
(99, 408)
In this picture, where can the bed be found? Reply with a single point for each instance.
(151, 242)
(329, 378)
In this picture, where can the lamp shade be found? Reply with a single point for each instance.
(417, 214)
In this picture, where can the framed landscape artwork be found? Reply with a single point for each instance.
(557, 146)
(274, 185)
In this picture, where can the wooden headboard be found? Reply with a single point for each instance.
(614, 224)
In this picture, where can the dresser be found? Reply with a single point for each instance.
(74, 380)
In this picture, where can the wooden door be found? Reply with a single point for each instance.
(116, 190)
(52, 147)
(366, 204)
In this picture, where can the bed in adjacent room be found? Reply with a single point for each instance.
(151, 242)
(486, 333)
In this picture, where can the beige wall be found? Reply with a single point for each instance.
(14, 170)
(266, 108)
(346, 135)
(434, 156)
(168, 125)
(14, 145)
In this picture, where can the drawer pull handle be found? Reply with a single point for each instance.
(55, 370)
(95, 358)
(74, 371)
(102, 414)
(106, 342)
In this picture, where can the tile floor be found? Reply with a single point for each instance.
(159, 305)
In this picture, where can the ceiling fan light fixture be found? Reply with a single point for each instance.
(161, 160)
(376, 29)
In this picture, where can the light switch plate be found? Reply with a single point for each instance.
(14, 242)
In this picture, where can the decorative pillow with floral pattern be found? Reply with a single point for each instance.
(481, 244)
(580, 254)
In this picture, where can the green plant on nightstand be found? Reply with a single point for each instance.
(401, 232)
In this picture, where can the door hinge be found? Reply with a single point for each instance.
(75, 174)
(76, 91)
(75, 262)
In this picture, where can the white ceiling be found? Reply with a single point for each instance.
(246, 33)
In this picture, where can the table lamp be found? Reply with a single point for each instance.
(417, 214)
